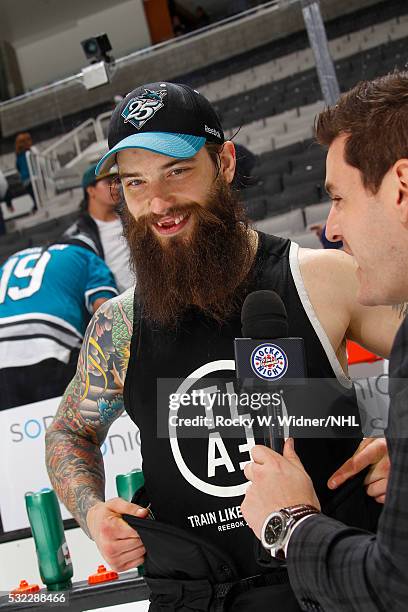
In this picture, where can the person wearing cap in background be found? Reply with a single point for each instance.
(99, 227)
(196, 259)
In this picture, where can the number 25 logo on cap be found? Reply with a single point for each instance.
(142, 108)
(269, 362)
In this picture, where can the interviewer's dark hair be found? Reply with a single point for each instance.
(375, 115)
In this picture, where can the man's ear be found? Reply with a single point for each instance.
(401, 174)
(228, 161)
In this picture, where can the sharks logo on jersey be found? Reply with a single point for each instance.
(142, 108)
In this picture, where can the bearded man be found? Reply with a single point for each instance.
(196, 259)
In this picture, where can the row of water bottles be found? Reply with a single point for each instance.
(44, 514)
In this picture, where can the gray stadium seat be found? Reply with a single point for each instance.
(297, 196)
(283, 225)
(308, 240)
(317, 213)
(312, 173)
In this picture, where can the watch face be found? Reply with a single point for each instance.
(274, 530)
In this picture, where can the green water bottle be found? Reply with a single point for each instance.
(47, 528)
(126, 486)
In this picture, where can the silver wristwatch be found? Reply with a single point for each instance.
(278, 526)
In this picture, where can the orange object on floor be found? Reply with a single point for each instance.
(102, 575)
(25, 588)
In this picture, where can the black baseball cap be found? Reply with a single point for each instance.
(167, 118)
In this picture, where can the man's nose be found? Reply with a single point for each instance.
(333, 232)
(160, 200)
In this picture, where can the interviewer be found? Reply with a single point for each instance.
(333, 567)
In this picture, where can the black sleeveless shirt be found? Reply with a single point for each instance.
(184, 487)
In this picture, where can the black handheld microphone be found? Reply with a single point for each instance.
(266, 358)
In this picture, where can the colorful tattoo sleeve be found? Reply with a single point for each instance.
(92, 401)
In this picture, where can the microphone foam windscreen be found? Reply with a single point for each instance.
(264, 315)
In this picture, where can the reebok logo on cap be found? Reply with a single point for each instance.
(212, 131)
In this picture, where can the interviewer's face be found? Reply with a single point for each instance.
(373, 227)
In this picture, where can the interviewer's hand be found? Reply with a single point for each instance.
(277, 482)
(119, 544)
(371, 451)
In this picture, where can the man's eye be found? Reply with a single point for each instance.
(178, 171)
(133, 183)
(335, 200)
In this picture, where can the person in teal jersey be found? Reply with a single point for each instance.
(47, 296)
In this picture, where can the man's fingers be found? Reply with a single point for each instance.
(127, 560)
(377, 489)
(114, 527)
(115, 548)
(136, 552)
(122, 506)
(368, 453)
(379, 471)
(262, 454)
(248, 471)
(290, 454)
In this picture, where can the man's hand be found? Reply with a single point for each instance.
(277, 482)
(118, 543)
(371, 451)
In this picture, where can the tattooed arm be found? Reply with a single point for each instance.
(92, 401)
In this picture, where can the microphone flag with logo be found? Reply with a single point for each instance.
(266, 357)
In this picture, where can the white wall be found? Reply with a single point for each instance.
(60, 54)
(18, 559)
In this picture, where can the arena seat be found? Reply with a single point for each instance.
(283, 225)
(317, 213)
(313, 172)
(307, 240)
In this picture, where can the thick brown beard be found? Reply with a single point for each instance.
(207, 270)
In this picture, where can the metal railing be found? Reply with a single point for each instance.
(45, 166)
(102, 122)
(42, 170)
(75, 142)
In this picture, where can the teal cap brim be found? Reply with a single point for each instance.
(180, 146)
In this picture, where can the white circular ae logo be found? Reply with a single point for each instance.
(269, 362)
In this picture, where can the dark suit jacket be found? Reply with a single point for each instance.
(333, 567)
